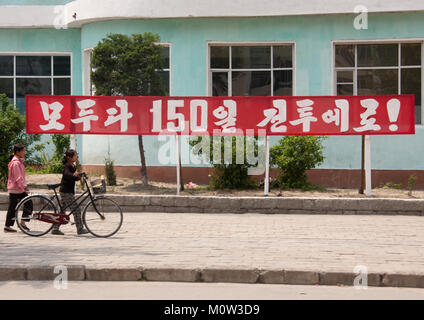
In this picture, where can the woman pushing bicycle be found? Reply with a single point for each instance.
(17, 187)
(67, 190)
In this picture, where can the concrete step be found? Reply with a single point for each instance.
(265, 205)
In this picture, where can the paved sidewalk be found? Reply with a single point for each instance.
(316, 243)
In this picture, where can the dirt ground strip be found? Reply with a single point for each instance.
(134, 186)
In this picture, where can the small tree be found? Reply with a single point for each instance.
(294, 155)
(110, 172)
(127, 66)
(109, 169)
(12, 131)
(61, 143)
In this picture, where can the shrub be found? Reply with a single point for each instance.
(54, 166)
(61, 143)
(231, 175)
(294, 155)
(411, 183)
(110, 172)
(391, 185)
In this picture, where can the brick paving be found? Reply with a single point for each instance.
(235, 241)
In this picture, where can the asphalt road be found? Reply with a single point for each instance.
(92, 290)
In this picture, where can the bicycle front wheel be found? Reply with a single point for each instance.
(102, 217)
(35, 211)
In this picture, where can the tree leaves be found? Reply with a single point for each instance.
(128, 65)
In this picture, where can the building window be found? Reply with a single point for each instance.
(165, 73)
(389, 68)
(34, 74)
(254, 70)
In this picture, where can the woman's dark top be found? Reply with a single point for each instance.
(68, 179)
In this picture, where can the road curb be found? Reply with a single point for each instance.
(293, 277)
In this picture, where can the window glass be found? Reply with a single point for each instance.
(220, 83)
(411, 84)
(251, 83)
(251, 57)
(26, 86)
(62, 86)
(33, 66)
(62, 65)
(345, 89)
(164, 73)
(245, 80)
(345, 76)
(378, 69)
(165, 80)
(165, 55)
(345, 56)
(282, 56)
(6, 66)
(411, 54)
(220, 57)
(378, 55)
(34, 76)
(283, 83)
(380, 81)
(6, 87)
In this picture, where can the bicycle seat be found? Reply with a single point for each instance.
(53, 186)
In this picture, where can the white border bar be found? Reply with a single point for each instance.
(79, 12)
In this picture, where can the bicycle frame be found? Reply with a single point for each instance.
(87, 194)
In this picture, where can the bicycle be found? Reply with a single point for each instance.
(101, 216)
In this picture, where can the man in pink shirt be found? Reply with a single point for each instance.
(17, 188)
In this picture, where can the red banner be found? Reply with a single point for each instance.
(319, 115)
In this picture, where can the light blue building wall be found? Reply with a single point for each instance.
(313, 36)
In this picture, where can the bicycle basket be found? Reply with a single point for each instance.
(99, 186)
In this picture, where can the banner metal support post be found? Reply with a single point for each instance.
(362, 187)
(367, 166)
(73, 144)
(266, 184)
(177, 154)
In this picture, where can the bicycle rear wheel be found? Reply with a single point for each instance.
(30, 209)
(102, 217)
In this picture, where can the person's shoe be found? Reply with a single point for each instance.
(25, 227)
(82, 231)
(9, 230)
(57, 232)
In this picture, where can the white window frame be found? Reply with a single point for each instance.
(86, 82)
(209, 70)
(52, 76)
(399, 67)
